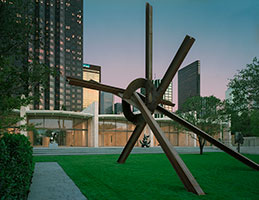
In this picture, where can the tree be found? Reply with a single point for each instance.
(254, 123)
(244, 107)
(202, 112)
(20, 69)
(245, 87)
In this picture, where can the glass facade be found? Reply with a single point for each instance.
(114, 132)
(70, 130)
(170, 132)
(65, 131)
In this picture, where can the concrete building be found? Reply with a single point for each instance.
(106, 103)
(90, 129)
(188, 82)
(59, 44)
(91, 72)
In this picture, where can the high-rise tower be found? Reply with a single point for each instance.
(188, 82)
(59, 25)
(91, 72)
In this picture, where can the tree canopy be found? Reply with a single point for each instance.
(204, 113)
(245, 87)
(20, 69)
(244, 107)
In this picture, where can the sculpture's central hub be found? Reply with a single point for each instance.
(132, 87)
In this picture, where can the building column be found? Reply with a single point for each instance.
(227, 139)
(84, 136)
(23, 122)
(194, 140)
(93, 125)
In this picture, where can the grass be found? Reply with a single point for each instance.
(151, 176)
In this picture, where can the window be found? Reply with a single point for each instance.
(38, 123)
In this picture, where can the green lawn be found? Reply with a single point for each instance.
(151, 176)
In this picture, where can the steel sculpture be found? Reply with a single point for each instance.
(150, 102)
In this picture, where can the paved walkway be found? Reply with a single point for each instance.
(41, 151)
(50, 182)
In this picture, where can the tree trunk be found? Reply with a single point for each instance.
(201, 144)
(238, 147)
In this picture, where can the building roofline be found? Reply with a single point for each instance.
(121, 116)
(58, 113)
(111, 116)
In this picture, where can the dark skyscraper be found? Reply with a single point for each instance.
(188, 82)
(59, 26)
(106, 104)
(118, 108)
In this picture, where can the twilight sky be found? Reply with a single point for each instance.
(226, 33)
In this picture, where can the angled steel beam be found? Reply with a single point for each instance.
(106, 88)
(131, 142)
(210, 139)
(173, 68)
(95, 86)
(181, 169)
(119, 92)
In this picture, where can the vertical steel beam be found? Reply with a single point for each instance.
(149, 49)
(149, 35)
(148, 58)
(181, 169)
(210, 139)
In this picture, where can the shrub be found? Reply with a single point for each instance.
(16, 166)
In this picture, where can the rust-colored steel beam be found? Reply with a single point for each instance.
(181, 169)
(149, 50)
(149, 37)
(119, 92)
(131, 142)
(106, 88)
(173, 68)
(210, 139)
(95, 86)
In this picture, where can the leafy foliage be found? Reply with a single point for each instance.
(16, 166)
(203, 112)
(254, 123)
(245, 87)
(20, 69)
(243, 109)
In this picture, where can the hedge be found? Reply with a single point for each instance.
(16, 166)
